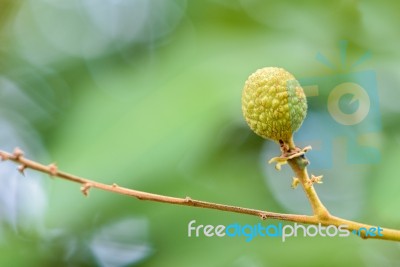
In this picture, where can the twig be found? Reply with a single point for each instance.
(87, 184)
(298, 164)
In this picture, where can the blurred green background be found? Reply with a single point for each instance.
(146, 94)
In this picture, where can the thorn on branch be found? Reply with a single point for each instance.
(295, 182)
(188, 200)
(22, 168)
(315, 179)
(279, 162)
(85, 189)
(263, 216)
(53, 169)
(18, 153)
(114, 185)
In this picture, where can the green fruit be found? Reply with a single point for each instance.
(274, 104)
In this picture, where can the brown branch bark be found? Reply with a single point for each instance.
(321, 214)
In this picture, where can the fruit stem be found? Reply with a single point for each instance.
(291, 144)
(298, 166)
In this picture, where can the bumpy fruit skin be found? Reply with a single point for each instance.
(274, 104)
